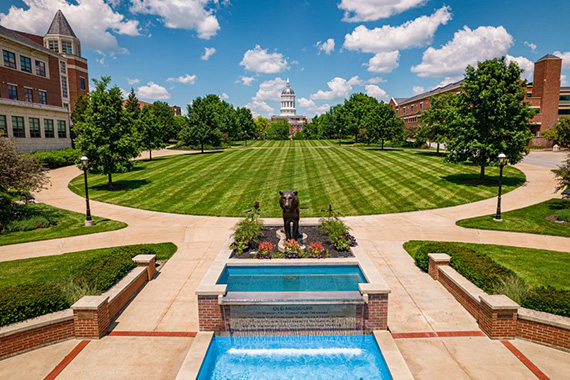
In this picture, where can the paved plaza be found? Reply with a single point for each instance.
(151, 337)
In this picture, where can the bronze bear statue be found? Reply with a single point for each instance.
(289, 202)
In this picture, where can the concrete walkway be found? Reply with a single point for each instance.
(417, 303)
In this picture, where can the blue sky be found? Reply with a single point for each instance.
(386, 48)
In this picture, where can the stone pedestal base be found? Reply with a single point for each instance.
(281, 245)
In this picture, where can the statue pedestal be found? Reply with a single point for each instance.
(302, 239)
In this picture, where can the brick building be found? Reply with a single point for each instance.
(40, 80)
(544, 93)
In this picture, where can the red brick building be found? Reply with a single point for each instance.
(544, 93)
(40, 80)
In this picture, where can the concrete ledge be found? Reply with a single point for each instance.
(90, 302)
(38, 322)
(143, 259)
(544, 318)
(195, 357)
(121, 286)
(499, 302)
(472, 290)
(393, 357)
(439, 257)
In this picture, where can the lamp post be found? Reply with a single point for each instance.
(88, 220)
(339, 136)
(502, 163)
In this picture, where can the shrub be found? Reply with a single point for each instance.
(549, 300)
(58, 158)
(18, 303)
(513, 287)
(563, 215)
(337, 231)
(102, 272)
(293, 249)
(317, 251)
(249, 230)
(265, 250)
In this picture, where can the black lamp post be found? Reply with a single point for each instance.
(88, 220)
(339, 136)
(502, 163)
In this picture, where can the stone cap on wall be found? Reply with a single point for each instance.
(143, 259)
(439, 257)
(90, 302)
(544, 318)
(34, 323)
(472, 290)
(499, 302)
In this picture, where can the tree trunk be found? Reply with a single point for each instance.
(482, 177)
(437, 149)
(356, 138)
(382, 144)
(202, 145)
(150, 154)
(110, 183)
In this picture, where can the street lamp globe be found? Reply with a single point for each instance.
(502, 158)
(84, 161)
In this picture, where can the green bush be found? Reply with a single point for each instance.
(549, 300)
(102, 272)
(249, 229)
(58, 158)
(18, 303)
(563, 215)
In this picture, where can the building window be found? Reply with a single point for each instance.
(82, 83)
(66, 47)
(564, 112)
(43, 97)
(3, 126)
(404, 110)
(40, 68)
(13, 92)
(35, 127)
(18, 126)
(413, 108)
(48, 128)
(61, 129)
(9, 59)
(53, 45)
(28, 95)
(421, 106)
(64, 86)
(25, 64)
(62, 67)
(77, 50)
(564, 97)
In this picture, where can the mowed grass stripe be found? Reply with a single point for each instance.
(353, 180)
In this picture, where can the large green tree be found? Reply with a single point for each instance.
(245, 124)
(436, 119)
(350, 118)
(132, 105)
(108, 135)
(204, 122)
(492, 115)
(149, 132)
(382, 124)
(180, 123)
(278, 130)
(560, 134)
(165, 120)
(262, 125)
(19, 172)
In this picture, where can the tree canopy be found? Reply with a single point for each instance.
(205, 119)
(278, 130)
(19, 172)
(560, 134)
(382, 123)
(149, 131)
(436, 119)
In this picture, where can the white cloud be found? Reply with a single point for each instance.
(260, 108)
(94, 22)
(181, 14)
(563, 81)
(185, 79)
(467, 48)
(224, 96)
(260, 61)
(384, 63)
(531, 46)
(310, 106)
(124, 93)
(327, 47)
(372, 10)
(339, 88)
(376, 92)
(246, 81)
(565, 58)
(525, 64)
(270, 90)
(153, 91)
(208, 52)
(414, 33)
(418, 90)
(376, 80)
(132, 81)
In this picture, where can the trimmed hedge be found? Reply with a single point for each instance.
(18, 303)
(58, 158)
(102, 272)
(487, 274)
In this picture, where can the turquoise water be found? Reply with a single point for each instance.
(294, 358)
(305, 278)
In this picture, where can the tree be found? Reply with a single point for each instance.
(383, 124)
(165, 120)
(492, 115)
(262, 125)
(79, 113)
(149, 132)
(108, 135)
(563, 177)
(436, 119)
(19, 172)
(350, 118)
(278, 130)
(132, 105)
(204, 122)
(180, 123)
(245, 124)
(560, 134)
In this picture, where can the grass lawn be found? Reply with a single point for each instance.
(67, 223)
(355, 181)
(530, 219)
(36, 286)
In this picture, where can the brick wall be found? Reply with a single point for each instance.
(543, 333)
(498, 324)
(92, 323)
(210, 316)
(375, 313)
(471, 305)
(118, 302)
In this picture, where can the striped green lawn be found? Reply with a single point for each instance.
(354, 181)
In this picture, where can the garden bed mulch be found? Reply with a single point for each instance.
(314, 234)
(554, 219)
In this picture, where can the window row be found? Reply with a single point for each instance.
(413, 109)
(28, 94)
(25, 63)
(19, 127)
(67, 47)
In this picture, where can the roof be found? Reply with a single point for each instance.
(549, 56)
(14, 36)
(60, 26)
(435, 91)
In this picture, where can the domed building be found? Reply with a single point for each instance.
(289, 111)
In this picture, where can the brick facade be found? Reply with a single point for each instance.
(543, 333)
(497, 323)
(375, 312)
(210, 314)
